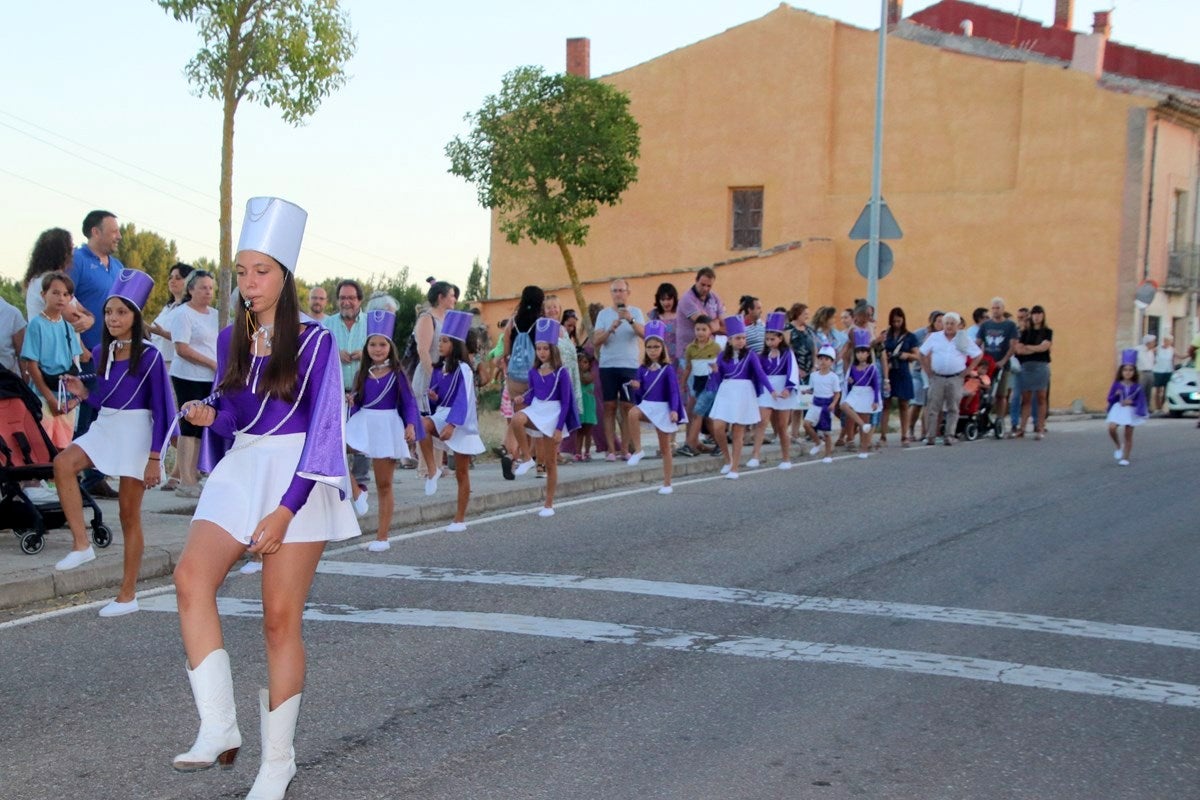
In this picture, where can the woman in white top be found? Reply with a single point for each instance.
(160, 337)
(194, 331)
(1164, 365)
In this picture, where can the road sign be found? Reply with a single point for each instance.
(888, 227)
(1145, 294)
(862, 260)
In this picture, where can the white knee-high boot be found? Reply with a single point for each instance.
(278, 729)
(219, 738)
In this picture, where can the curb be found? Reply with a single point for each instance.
(158, 562)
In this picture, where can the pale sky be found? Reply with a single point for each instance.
(96, 113)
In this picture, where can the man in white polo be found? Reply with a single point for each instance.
(946, 358)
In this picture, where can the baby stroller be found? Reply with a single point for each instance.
(26, 453)
(975, 416)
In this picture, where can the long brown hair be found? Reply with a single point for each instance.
(137, 337)
(364, 367)
(279, 377)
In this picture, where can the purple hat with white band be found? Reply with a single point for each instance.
(1129, 357)
(777, 322)
(655, 329)
(456, 324)
(546, 330)
(735, 326)
(381, 323)
(862, 339)
(132, 285)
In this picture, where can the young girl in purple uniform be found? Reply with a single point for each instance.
(1127, 406)
(453, 423)
(738, 379)
(863, 390)
(133, 396)
(779, 363)
(549, 412)
(657, 400)
(278, 486)
(384, 420)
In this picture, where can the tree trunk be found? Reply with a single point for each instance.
(585, 321)
(225, 267)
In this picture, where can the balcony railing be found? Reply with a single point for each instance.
(1183, 269)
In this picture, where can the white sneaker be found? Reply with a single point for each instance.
(816, 448)
(826, 460)
(731, 475)
(360, 505)
(115, 609)
(546, 512)
(866, 428)
(1118, 453)
(725, 469)
(456, 527)
(431, 484)
(379, 546)
(785, 465)
(665, 490)
(862, 455)
(636, 457)
(1124, 462)
(752, 463)
(75, 558)
(524, 467)
(250, 567)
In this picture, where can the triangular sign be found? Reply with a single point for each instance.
(888, 227)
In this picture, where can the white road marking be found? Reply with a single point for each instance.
(61, 612)
(1062, 626)
(977, 669)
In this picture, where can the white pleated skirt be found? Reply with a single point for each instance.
(1124, 415)
(659, 414)
(736, 402)
(377, 433)
(460, 441)
(543, 416)
(789, 403)
(249, 482)
(861, 398)
(118, 442)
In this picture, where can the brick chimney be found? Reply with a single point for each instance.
(1064, 13)
(579, 57)
(895, 13)
(1101, 24)
(1088, 54)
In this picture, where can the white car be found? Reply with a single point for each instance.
(1183, 391)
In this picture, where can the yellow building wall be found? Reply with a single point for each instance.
(1006, 178)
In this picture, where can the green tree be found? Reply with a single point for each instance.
(13, 291)
(476, 284)
(152, 254)
(285, 54)
(545, 153)
(409, 295)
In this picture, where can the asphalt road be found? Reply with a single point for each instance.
(1011, 619)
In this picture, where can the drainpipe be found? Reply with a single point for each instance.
(1150, 202)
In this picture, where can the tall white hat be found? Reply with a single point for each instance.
(275, 227)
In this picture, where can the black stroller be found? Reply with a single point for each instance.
(26, 453)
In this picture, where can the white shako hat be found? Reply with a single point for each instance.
(275, 227)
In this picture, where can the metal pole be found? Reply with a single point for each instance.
(877, 165)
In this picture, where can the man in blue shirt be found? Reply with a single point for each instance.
(349, 329)
(94, 269)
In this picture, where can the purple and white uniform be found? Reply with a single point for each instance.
(783, 373)
(737, 384)
(1133, 414)
(658, 395)
(378, 417)
(454, 404)
(550, 403)
(863, 388)
(264, 452)
(136, 409)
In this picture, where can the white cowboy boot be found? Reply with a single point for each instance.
(219, 739)
(278, 729)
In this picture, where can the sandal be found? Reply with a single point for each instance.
(905, 441)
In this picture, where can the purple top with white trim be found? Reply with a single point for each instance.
(865, 376)
(747, 368)
(782, 362)
(148, 388)
(1129, 391)
(555, 386)
(316, 410)
(390, 392)
(454, 390)
(660, 386)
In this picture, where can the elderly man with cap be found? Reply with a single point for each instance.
(946, 358)
(277, 487)
(132, 396)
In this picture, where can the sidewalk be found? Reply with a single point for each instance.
(165, 520)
